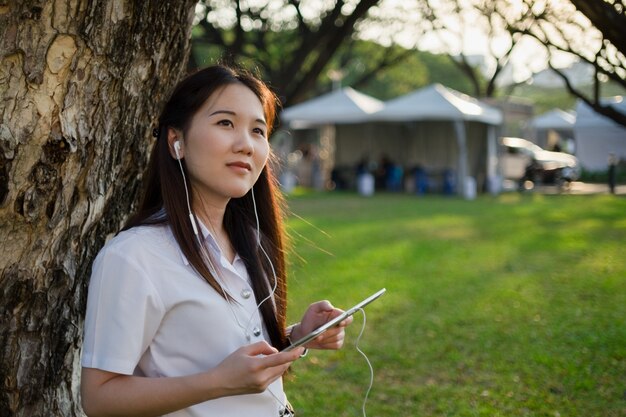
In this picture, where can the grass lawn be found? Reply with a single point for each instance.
(503, 306)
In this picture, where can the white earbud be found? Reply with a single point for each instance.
(182, 173)
(177, 149)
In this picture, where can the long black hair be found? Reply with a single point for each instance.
(164, 189)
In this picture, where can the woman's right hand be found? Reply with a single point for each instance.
(252, 368)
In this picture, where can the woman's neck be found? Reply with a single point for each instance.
(212, 216)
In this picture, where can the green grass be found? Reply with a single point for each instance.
(502, 306)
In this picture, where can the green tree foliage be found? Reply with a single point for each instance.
(376, 70)
(298, 52)
(292, 42)
(359, 61)
(545, 99)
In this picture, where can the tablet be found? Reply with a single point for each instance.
(306, 339)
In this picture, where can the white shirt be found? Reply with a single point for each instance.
(150, 314)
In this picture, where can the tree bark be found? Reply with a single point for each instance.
(81, 82)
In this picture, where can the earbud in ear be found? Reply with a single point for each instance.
(177, 149)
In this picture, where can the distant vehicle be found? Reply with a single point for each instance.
(523, 161)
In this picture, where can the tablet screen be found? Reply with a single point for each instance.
(306, 339)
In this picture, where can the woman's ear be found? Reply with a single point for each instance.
(175, 143)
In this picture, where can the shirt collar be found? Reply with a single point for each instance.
(211, 244)
(208, 239)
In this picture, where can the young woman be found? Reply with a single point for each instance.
(186, 306)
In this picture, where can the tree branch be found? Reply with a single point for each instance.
(327, 48)
(595, 104)
(548, 44)
(607, 19)
(464, 66)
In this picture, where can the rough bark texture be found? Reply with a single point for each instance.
(80, 87)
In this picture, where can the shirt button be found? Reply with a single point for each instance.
(256, 331)
(246, 293)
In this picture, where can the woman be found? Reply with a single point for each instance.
(187, 305)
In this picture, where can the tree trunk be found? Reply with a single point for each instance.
(81, 82)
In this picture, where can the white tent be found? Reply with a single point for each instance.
(341, 106)
(553, 128)
(439, 103)
(597, 136)
(322, 115)
(554, 119)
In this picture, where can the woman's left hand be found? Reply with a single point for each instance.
(317, 314)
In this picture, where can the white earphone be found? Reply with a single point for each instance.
(192, 219)
(177, 149)
(256, 331)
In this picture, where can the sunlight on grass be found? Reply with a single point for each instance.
(503, 306)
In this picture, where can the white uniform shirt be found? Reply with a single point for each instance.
(150, 314)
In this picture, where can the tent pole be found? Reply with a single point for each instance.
(493, 182)
(461, 140)
(326, 154)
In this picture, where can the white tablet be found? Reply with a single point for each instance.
(306, 339)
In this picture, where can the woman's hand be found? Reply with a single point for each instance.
(252, 368)
(317, 314)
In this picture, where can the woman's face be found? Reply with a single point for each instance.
(226, 146)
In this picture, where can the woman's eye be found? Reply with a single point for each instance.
(225, 122)
(259, 131)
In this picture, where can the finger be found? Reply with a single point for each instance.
(337, 329)
(330, 333)
(335, 345)
(330, 338)
(332, 344)
(264, 377)
(282, 358)
(336, 312)
(343, 323)
(346, 322)
(260, 348)
(323, 306)
(276, 372)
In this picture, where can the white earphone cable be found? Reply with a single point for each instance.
(369, 364)
(258, 241)
(191, 216)
(208, 258)
(273, 290)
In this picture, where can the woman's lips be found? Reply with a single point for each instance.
(240, 165)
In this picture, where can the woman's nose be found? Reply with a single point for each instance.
(244, 143)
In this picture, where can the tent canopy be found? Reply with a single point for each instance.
(437, 102)
(554, 119)
(336, 107)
